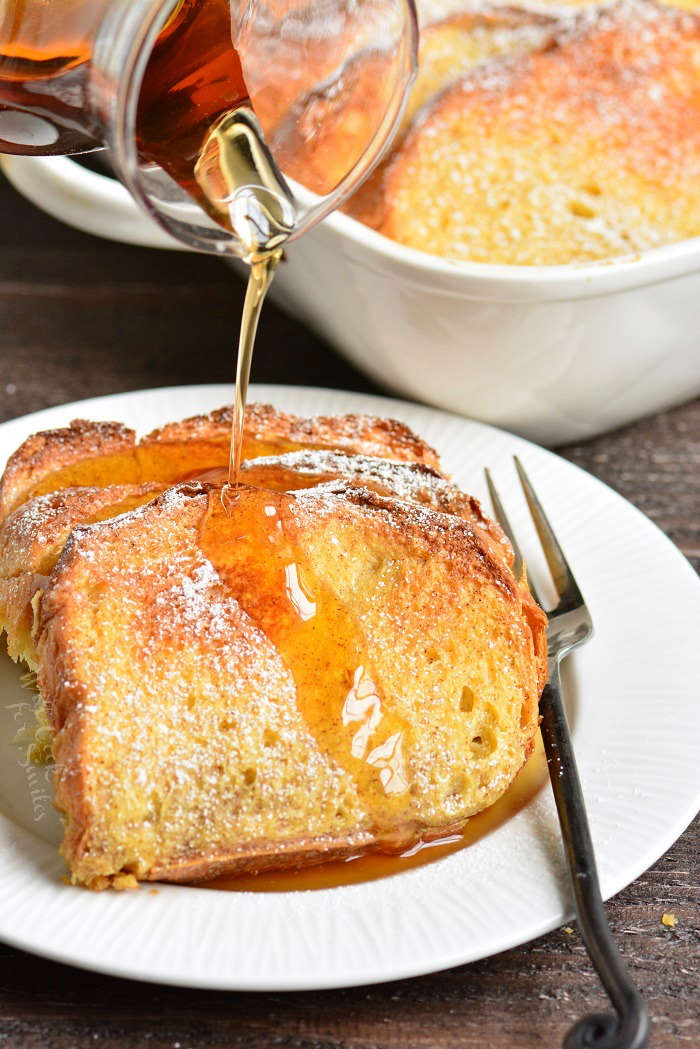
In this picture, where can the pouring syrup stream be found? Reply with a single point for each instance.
(262, 271)
(244, 188)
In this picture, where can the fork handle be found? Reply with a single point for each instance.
(630, 1028)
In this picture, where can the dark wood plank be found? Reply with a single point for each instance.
(78, 318)
(654, 463)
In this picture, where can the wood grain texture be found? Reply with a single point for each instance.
(79, 318)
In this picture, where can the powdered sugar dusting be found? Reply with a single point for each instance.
(194, 600)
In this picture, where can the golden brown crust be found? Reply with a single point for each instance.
(52, 450)
(259, 856)
(536, 619)
(268, 430)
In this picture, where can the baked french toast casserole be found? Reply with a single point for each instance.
(332, 658)
(545, 134)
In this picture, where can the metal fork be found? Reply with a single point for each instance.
(570, 625)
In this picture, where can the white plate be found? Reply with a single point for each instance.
(636, 720)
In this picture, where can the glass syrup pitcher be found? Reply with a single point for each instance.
(235, 123)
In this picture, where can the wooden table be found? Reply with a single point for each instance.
(80, 317)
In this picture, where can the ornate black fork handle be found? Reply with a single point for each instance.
(570, 625)
(629, 1029)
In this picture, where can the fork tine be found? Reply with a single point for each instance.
(563, 577)
(502, 518)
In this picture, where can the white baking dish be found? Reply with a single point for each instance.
(555, 353)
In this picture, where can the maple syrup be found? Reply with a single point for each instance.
(261, 273)
(193, 77)
(239, 184)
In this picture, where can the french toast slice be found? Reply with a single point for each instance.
(291, 678)
(31, 540)
(585, 149)
(98, 454)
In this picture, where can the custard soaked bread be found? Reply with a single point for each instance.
(587, 147)
(343, 661)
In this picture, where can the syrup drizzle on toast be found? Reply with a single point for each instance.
(270, 574)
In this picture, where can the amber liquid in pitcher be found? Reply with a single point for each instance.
(193, 77)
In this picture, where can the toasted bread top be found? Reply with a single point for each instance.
(271, 431)
(97, 454)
